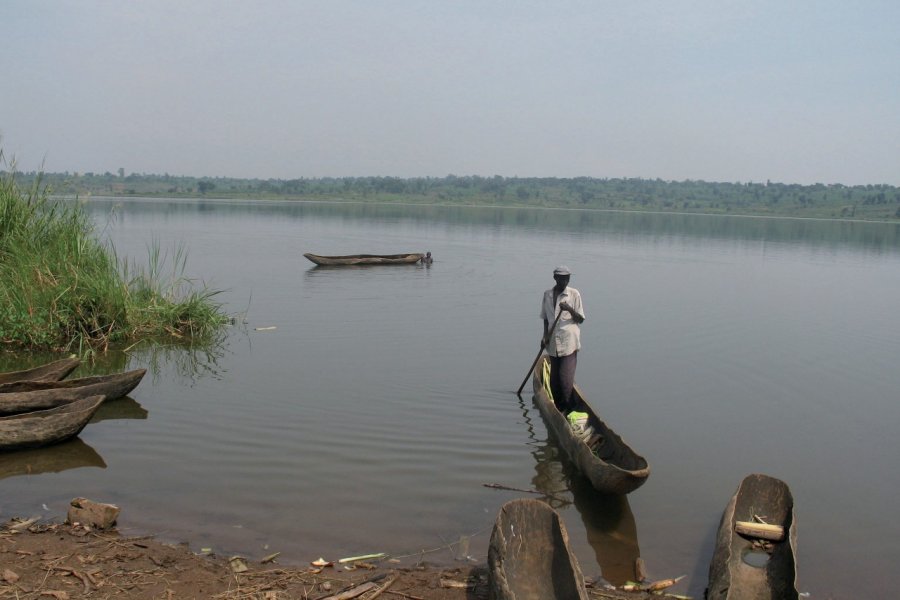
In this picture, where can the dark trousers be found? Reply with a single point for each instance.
(562, 381)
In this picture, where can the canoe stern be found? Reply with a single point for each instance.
(529, 556)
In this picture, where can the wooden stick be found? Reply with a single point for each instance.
(499, 486)
(663, 584)
(353, 587)
(354, 592)
(410, 596)
(383, 588)
(362, 557)
(760, 530)
(538, 357)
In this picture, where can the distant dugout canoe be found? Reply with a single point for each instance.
(46, 427)
(529, 557)
(740, 571)
(36, 395)
(613, 467)
(54, 371)
(365, 259)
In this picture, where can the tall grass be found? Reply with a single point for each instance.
(61, 288)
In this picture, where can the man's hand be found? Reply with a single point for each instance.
(575, 316)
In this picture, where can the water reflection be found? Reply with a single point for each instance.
(874, 237)
(611, 530)
(608, 521)
(10, 362)
(121, 408)
(330, 274)
(191, 362)
(323, 268)
(73, 454)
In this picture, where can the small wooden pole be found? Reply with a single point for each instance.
(538, 357)
(762, 531)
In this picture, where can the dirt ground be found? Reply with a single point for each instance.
(61, 561)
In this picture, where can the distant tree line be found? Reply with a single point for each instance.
(871, 202)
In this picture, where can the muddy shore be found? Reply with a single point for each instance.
(61, 561)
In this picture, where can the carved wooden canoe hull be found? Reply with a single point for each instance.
(35, 395)
(529, 557)
(53, 371)
(46, 427)
(365, 259)
(613, 467)
(740, 571)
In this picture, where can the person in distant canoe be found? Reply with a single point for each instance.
(427, 260)
(564, 342)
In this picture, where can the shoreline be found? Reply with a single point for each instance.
(276, 199)
(64, 561)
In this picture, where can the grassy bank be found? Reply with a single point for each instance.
(61, 288)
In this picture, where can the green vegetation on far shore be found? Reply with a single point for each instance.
(61, 288)
(833, 201)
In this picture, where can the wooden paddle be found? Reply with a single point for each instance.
(538, 357)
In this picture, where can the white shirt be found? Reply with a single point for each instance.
(566, 338)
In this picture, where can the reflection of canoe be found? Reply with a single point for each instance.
(608, 520)
(611, 531)
(365, 259)
(120, 408)
(33, 395)
(45, 427)
(61, 457)
(529, 556)
(740, 571)
(53, 371)
(613, 467)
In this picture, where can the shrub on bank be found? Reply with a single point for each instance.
(61, 288)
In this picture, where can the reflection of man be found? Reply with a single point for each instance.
(564, 342)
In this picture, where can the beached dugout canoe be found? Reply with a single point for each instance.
(45, 427)
(740, 569)
(529, 557)
(36, 395)
(365, 259)
(611, 465)
(53, 371)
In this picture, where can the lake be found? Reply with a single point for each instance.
(371, 416)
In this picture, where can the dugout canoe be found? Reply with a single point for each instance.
(365, 259)
(37, 395)
(610, 464)
(53, 371)
(529, 557)
(46, 427)
(740, 569)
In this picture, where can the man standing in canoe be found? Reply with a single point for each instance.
(564, 342)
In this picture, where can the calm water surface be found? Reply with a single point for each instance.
(369, 419)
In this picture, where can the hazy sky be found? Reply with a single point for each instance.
(798, 91)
